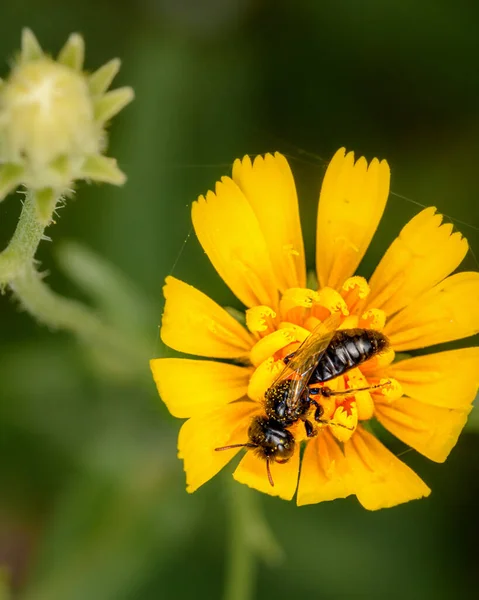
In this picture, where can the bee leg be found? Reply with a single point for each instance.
(310, 431)
(324, 392)
(318, 413)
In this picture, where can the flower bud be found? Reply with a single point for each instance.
(52, 122)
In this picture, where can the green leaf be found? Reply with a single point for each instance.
(116, 296)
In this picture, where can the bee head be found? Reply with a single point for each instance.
(271, 440)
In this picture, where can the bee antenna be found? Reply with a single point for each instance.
(341, 425)
(351, 392)
(336, 424)
(268, 471)
(248, 445)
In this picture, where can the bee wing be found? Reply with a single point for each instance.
(306, 358)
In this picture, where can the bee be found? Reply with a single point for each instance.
(324, 355)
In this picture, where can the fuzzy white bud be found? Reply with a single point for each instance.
(52, 120)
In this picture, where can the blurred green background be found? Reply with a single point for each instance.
(92, 500)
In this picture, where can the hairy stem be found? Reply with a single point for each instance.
(18, 272)
(63, 313)
(21, 250)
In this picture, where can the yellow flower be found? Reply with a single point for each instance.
(250, 230)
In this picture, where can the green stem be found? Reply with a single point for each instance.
(59, 312)
(21, 250)
(17, 270)
(241, 560)
(251, 540)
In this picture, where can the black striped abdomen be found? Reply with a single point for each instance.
(348, 348)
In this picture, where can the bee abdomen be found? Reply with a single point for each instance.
(348, 349)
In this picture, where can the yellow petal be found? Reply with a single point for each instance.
(423, 255)
(295, 302)
(351, 204)
(229, 232)
(378, 362)
(344, 419)
(448, 379)
(431, 430)
(194, 324)
(268, 185)
(252, 472)
(191, 387)
(332, 300)
(324, 472)
(201, 434)
(350, 322)
(260, 319)
(299, 333)
(271, 344)
(263, 377)
(364, 403)
(374, 318)
(450, 311)
(381, 480)
(353, 291)
(390, 391)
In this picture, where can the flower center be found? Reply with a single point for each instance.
(279, 335)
